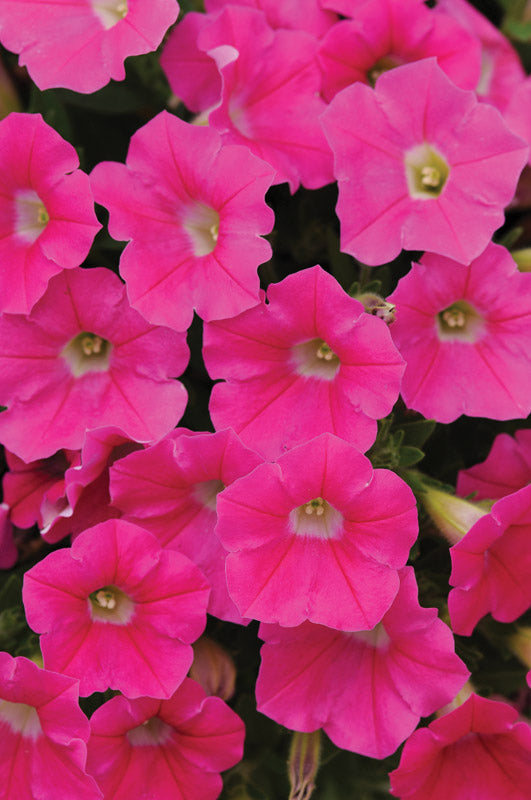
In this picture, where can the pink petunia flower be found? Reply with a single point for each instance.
(385, 679)
(421, 165)
(115, 610)
(517, 114)
(46, 210)
(454, 322)
(194, 212)
(307, 362)
(477, 751)
(171, 489)
(491, 565)
(161, 749)
(388, 33)
(506, 469)
(317, 535)
(270, 95)
(84, 359)
(82, 45)
(297, 15)
(43, 735)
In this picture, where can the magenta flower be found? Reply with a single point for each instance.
(477, 751)
(194, 211)
(315, 677)
(46, 210)
(161, 749)
(8, 549)
(421, 165)
(82, 45)
(270, 95)
(453, 322)
(388, 33)
(43, 735)
(317, 535)
(171, 489)
(83, 359)
(115, 610)
(309, 361)
(506, 469)
(302, 15)
(491, 565)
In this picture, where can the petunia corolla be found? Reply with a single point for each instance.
(385, 679)
(171, 490)
(318, 535)
(421, 165)
(43, 735)
(491, 565)
(506, 469)
(388, 33)
(477, 751)
(174, 748)
(82, 359)
(82, 45)
(308, 361)
(117, 611)
(297, 15)
(454, 322)
(193, 211)
(47, 219)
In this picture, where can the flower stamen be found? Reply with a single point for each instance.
(316, 506)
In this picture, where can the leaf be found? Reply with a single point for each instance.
(417, 433)
(409, 456)
(11, 592)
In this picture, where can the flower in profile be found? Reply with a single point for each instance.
(477, 750)
(8, 548)
(82, 359)
(506, 469)
(46, 210)
(161, 749)
(491, 565)
(308, 361)
(388, 33)
(116, 611)
(454, 321)
(171, 490)
(213, 668)
(317, 535)
(82, 45)
(402, 669)
(43, 734)
(421, 165)
(194, 213)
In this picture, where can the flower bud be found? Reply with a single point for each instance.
(303, 764)
(452, 515)
(520, 644)
(377, 306)
(213, 668)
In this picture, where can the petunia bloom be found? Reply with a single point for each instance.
(454, 321)
(307, 362)
(174, 748)
(82, 359)
(506, 469)
(47, 219)
(491, 565)
(194, 213)
(43, 735)
(82, 45)
(367, 690)
(117, 611)
(421, 165)
(318, 535)
(477, 751)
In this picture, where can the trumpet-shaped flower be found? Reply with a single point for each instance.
(421, 165)
(47, 219)
(479, 750)
(171, 489)
(309, 361)
(193, 212)
(161, 749)
(506, 469)
(317, 536)
(82, 45)
(8, 549)
(117, 611)
(384, 679)
(454, 322)
(43, 735)
(84, 358)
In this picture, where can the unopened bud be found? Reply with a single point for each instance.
(522, 258)
(452, 515)
(458, 700)
(9, 99)
(377, 306)
(213, 668)
(303, 764)
(520, 644)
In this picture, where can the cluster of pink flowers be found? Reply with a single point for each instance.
(278, 515)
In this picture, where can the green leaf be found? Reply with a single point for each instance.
(409, 456)
(417, 433)
(11, 592)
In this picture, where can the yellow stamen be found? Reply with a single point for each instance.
(91, 345)
(454, 318)
(42, 216)
(325, 352)
(106, 599)
(315, 506)
(430, 176)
